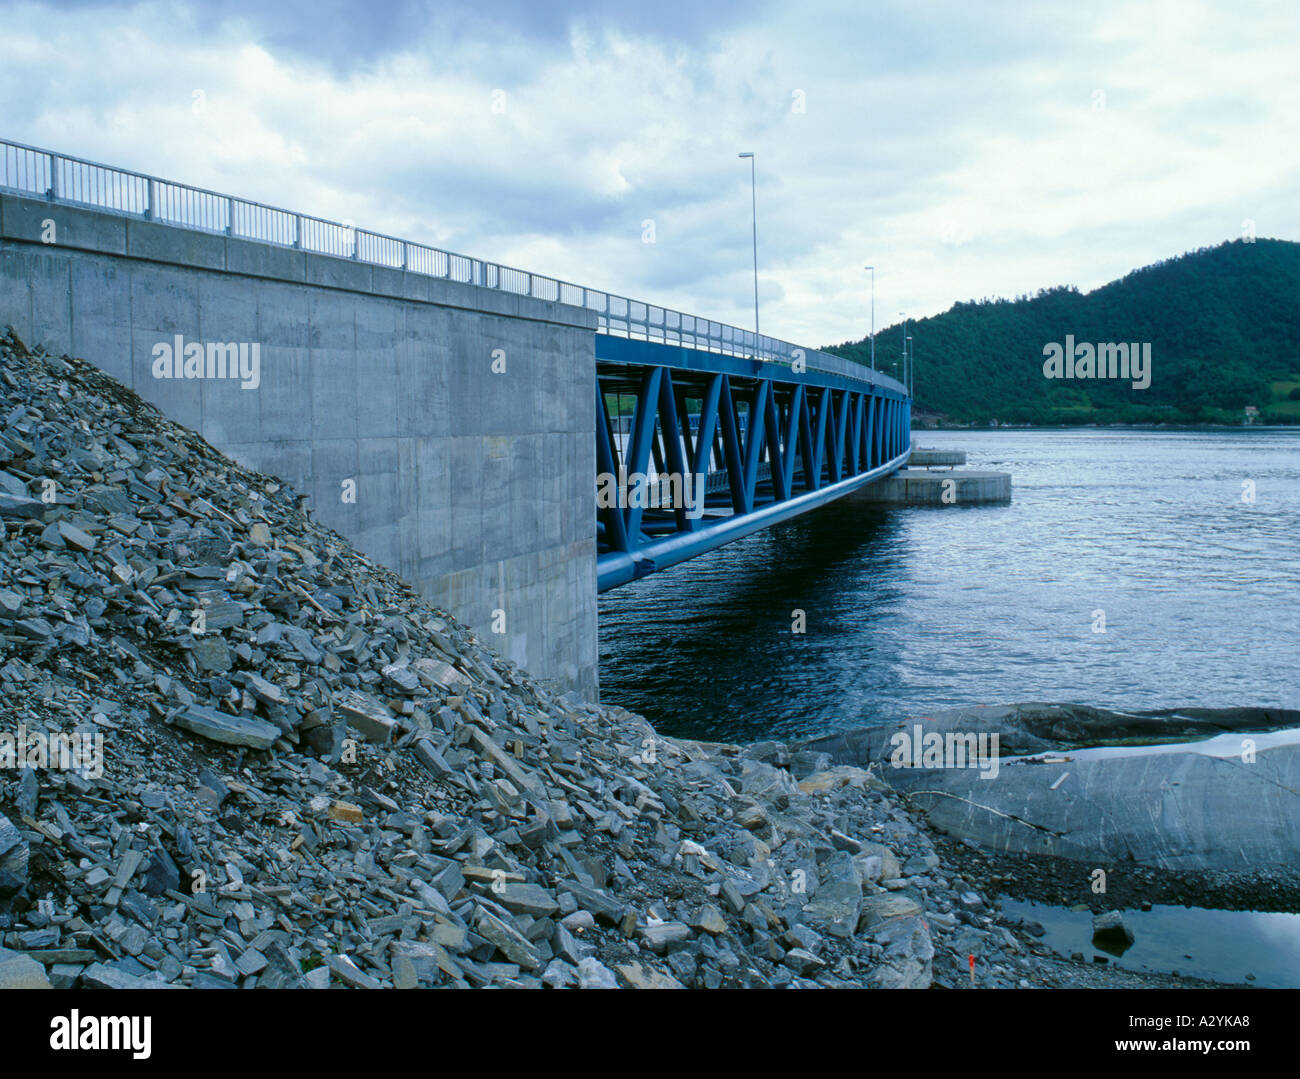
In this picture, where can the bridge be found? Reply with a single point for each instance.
(781, 437)
(452, 397)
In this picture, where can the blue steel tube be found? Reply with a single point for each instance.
(618, 567)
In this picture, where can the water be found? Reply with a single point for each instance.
(912, 610)
(1217, 945)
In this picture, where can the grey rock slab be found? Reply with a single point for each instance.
(835, 908)
(211, 653)
(593, 974)
(264, 691)
(13, 850)
(19, 507)
(889, 865)
(370, 718)
(12, 484)
(508, 940)
(877, 909)
(19, 971)
(508, 764)
(29, 792)
(559, 975)
(526, 899)
(767, 782)
(302, 643)
(602, 906)
(346, 970)
(642, 977)
(710, 920)
(404, 976)
(401, 679)
(802, 962)
(103, 976)
(317, 978)
(434, 762)
(75, 537)
(907, 962)
(570, 945)
(664, 936)
(230, 730)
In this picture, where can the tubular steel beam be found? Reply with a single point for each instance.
(620, 567)
(802, 439)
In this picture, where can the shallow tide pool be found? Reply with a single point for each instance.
(1217, 945)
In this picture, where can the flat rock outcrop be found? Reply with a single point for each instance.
(1100, 786)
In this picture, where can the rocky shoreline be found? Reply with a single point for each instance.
(311, 778)
(1063, 882)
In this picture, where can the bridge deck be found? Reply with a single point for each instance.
(719, 446)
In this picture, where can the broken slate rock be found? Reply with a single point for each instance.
(231, 730)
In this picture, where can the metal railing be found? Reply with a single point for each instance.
(62, 179)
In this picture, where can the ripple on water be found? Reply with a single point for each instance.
(910, 611)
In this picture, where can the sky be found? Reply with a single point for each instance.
(965, 149)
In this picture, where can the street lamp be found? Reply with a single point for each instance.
(911, 364)
(907, 365)
(873, 316)
(753, 203)
(904, 318)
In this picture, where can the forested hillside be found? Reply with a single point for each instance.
(1223, 324)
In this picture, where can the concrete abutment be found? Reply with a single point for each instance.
(461, 414)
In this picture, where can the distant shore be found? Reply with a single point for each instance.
(1115, 426)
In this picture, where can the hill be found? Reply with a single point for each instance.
(1222, 323)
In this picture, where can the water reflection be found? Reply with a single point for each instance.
(1217, 945)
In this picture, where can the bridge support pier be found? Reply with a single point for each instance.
(444, 428)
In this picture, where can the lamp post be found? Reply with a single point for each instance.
(753, 203)
(904, 318)
(873, 316)
(911, 364)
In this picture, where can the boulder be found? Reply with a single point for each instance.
(835, 909)
(19, 971)
(1110, 933)
(907, 962)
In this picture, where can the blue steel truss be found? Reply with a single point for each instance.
(765, 443)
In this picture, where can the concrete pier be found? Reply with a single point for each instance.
(923, 457)
(444, 428)
(917, 487)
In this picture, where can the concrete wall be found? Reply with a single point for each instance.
(475, 486)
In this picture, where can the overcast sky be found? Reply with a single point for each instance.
(966, 149)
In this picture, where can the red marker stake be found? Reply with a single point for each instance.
(972, 970)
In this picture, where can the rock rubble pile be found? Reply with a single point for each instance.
(306, 776)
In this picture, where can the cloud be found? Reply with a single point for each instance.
(964, 151)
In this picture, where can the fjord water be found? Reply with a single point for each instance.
(1186, 543)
